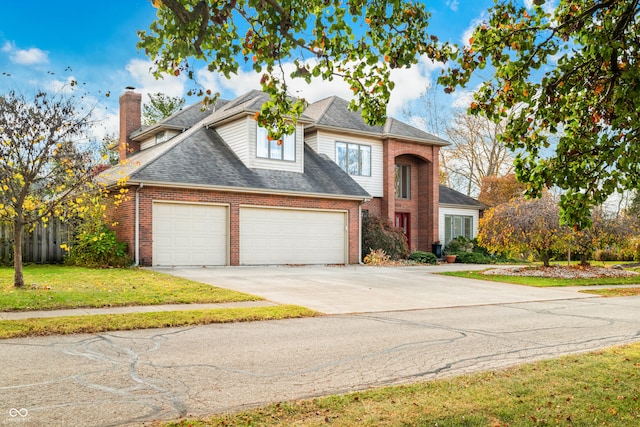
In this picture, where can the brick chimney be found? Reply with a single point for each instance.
(130, 120)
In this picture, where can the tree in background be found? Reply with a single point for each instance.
(360, 42)
(42, 164)
(476, 151)
(160, 106)
(496, 190)
(568, 78)
(522, 226)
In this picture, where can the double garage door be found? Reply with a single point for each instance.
(198, 234)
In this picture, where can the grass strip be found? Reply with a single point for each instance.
(615, 292)
(544, 282)
(119, 322)
(56, 287)
(599, 388)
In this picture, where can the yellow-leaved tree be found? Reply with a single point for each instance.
(42, 165)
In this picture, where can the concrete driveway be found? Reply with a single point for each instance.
(367, 289)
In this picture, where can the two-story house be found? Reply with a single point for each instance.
(209, 188)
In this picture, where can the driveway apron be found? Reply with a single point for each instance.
(366, 289)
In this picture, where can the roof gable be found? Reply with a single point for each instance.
(334, 113)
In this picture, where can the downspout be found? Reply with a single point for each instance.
(137, 226)
(360, 233)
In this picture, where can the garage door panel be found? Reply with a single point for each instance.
(289, 236)
(189, 234)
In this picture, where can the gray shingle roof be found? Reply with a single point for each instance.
(248, 103)
(204, 159)
(182, 119)
(449, 196)
(333, 112)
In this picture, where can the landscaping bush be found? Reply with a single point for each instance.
(423, 257)
(631, 250)
(606, 255)
(376, 234)
(376, 257)
(459, 245)
(98, 248)
(472, 258)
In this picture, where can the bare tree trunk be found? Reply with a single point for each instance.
(18, 229)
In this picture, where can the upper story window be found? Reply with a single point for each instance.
(282, 149)
(403, 181)
(355, 159)
(162, 136)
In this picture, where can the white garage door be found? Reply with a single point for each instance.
(185, 234)
(286, 236)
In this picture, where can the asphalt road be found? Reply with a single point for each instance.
(132, 377)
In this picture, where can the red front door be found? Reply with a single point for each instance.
(403, 221)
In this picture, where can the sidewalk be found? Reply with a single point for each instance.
(18, 315)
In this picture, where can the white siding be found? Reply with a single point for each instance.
(150, 142)
(326, 143)
(312, 141)
(456, 211)
(236, 135)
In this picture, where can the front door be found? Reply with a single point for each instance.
(403, 221)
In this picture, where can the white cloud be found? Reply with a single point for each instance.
(410, 83)
(468, 33)
(145, 83)
(453, 5)
(30, 56)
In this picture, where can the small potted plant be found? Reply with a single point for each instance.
(451, 258)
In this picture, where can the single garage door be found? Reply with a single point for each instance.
(288, 236)
(189, 234)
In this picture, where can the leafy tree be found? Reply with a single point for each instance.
(606, 231)
(356, 40)
(42, 166)
(160, 106)
(525, 225)
(476, 150)
(496, 190)
(569, 79)
(633, 211)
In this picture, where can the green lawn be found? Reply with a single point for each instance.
(59, 287)
(543, 282)
(596, 389)
(55, 287)
(162, 319)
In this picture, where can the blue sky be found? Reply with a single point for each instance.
(97, 41)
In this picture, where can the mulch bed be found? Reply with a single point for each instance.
(562, 272)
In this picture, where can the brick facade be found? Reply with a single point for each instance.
(423, 203)
(130, 120)
(125, 229)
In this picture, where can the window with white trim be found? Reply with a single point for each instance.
(275, 149)
(354, 159)
(456, 226)
(403, 182)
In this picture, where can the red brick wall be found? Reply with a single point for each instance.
(126, 215)
(130, 120)
(423, 205)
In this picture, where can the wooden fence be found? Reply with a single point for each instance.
(41, 246)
